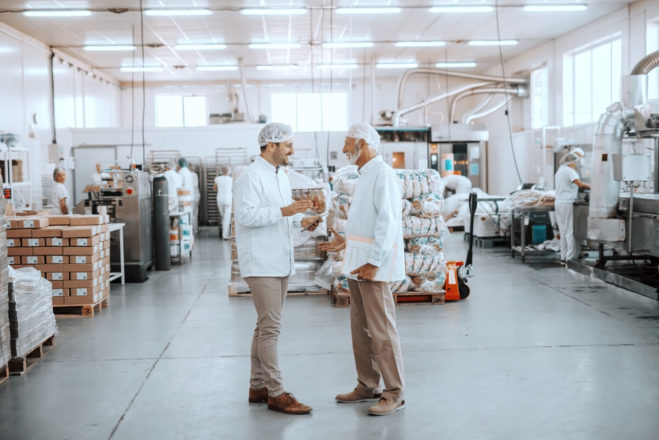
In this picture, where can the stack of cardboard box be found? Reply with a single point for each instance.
(72, 252)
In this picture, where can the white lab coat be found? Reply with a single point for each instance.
(58, 193)
(173, 183)
(376, 212)
(264, 237)
(566, 194)
(187, 180)
(224, 199)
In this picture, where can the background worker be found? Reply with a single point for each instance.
(567, 187)
(375, 214)
(59, 196)
(223, 185)
(266, 220)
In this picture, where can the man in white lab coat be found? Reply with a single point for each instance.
(375, 215)
(266, 219)
(223, 185)
(173, 184)
(567, 187)
(59, 196)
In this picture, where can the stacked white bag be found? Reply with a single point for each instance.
(424, 229)
(5, 347)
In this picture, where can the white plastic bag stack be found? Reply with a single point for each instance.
(424, 231)
(31, 311)
(5, 345)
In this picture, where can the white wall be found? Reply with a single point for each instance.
(25, 109)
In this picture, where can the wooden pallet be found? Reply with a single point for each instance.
(4, 374)
(21, 365)
(340, 299)
(234, 293)
(81, 310)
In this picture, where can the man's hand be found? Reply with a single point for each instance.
(336, 245)
(311, 223)
(296, 208)
(366, 272)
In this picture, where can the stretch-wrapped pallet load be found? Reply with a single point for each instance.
(5, 347)
(31, 311)
(424, 230)
(72, 252)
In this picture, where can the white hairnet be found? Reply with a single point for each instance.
(364, 131)
(578, 151)
(275, 132)
(569, 158)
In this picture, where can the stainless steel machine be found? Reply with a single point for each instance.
(128, 200)
(405, 147)
(467, 145)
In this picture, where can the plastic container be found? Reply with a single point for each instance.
(538, 234)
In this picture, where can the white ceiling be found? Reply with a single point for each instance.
(321, 24)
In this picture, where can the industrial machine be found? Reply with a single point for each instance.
(465, 146)
(623, 226)
(128, 200)
(404, 147)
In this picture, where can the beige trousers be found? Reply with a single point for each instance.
(268, 294)
(375, 340)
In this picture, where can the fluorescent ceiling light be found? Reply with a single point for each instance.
(58, 13)
(108, 47)
(397, 65)
(177, 12)
(420, 43)
(456, 64)
(216, 68)
(277, 67)
(363, 11)
(347, 66)
(200, 46)
(349, 44)
(460, 9)
(555, 8)
(274, 11)
(141, 68)
(492, 42)
(274, 46)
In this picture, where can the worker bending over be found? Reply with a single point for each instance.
(567, 187)
(374, 215)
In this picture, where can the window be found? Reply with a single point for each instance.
(651, 46)
(591, 81)
(539, 98)
(311, 111)
(180, 111)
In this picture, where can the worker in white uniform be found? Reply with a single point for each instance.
(59, 196)
(98, 176)
(223, 185)
(456, 184)
(266, 222)
(188, 183)
(375, 215)
(173, 184)
(567, 187)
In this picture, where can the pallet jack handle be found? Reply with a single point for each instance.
(473, 203)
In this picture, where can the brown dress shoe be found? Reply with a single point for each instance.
(287, 404)
(358, 395)
(258, 395)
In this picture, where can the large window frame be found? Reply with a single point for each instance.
(311, 112)
(181, 110)
(539, 98)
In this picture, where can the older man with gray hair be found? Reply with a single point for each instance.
(375, 217)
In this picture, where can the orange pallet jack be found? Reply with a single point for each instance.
(459, 272)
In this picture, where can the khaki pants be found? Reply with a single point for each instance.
(375, 340)
(268, 294)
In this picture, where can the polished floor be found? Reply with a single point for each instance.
(537, 352)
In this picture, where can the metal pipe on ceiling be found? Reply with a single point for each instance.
(489, 90)
(469, 118)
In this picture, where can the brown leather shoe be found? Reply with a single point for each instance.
(358, 395)
(287, 404)
(258, 395)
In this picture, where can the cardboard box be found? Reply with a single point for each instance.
(32, 259)
(83, 220)
(50, 231)
(83, 295)
(94, 276)
(34, 222)
(59, 291)
(14, 242)
(59, 220)
(47, 251)
(19, 233)
(80, 232)
(58, 300)
(84, 241)
(84, 259)
(79, 267)
(57, 276)
(106, 245)
(33, 242)
(57, 241)
(78, 250)
(14, 251)
(13, 260)
(57, 284)
(57, 259)
(106, 260)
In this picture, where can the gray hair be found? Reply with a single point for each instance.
(56, 171)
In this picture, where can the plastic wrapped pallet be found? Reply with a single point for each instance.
(5, 343)
(31, 311)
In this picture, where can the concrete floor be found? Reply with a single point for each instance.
(537, 352)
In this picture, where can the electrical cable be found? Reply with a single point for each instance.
(331, 63)
(503, 76)
(132, 97)
(143, 85)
